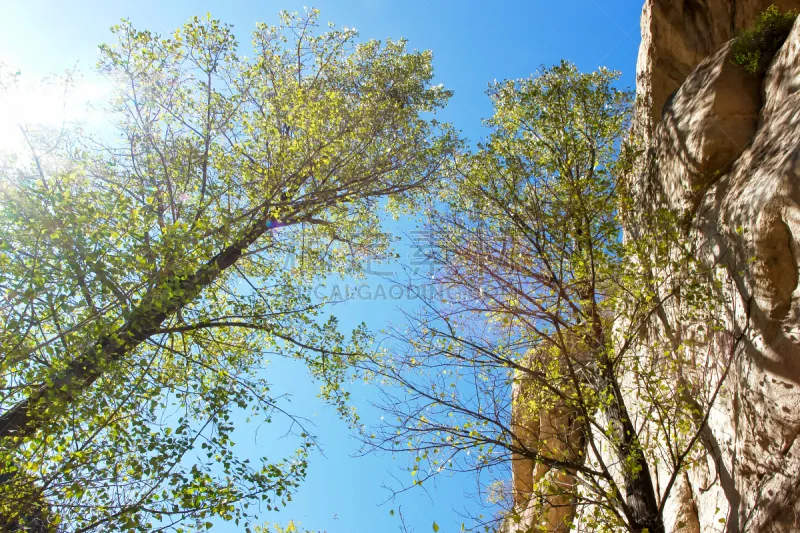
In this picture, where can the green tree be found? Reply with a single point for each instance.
(544, 311)
(145, 280)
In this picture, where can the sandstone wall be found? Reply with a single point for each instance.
(678, 34)
(724, 154)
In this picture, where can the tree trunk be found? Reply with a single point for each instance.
(640, 494)
(169, 295)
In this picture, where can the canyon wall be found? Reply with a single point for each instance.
(722, 150)
(724, 154)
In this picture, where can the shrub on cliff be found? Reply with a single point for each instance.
(754, 48)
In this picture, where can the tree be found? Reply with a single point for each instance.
(545, 323)
(145, 282)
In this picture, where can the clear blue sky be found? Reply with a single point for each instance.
(474, 42)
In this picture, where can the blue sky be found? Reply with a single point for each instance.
(473, 43)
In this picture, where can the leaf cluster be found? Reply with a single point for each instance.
(145, 278)
(755, 47)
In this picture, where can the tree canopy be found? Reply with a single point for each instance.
(145, 278)
(544, 315)
(146, 287)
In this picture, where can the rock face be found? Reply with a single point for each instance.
(678, 34)
(724, 154)
(550, 433)
(704, 128)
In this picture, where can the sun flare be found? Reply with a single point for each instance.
(52, 103)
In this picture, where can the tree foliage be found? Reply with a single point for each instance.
(144, 278)
(544, 313)
(755, 47)
(146, 286)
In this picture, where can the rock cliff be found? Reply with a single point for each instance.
(679, 34)
(723, 153)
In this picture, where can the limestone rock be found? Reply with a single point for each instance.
(681, 509)
(783, 78)
(728, 149)
(678, 34)
(724, 149)
(754, 214)
(705, 127)
(543, 497)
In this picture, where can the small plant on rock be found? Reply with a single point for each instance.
(754, 48)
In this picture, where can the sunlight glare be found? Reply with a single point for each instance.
(52, 103)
